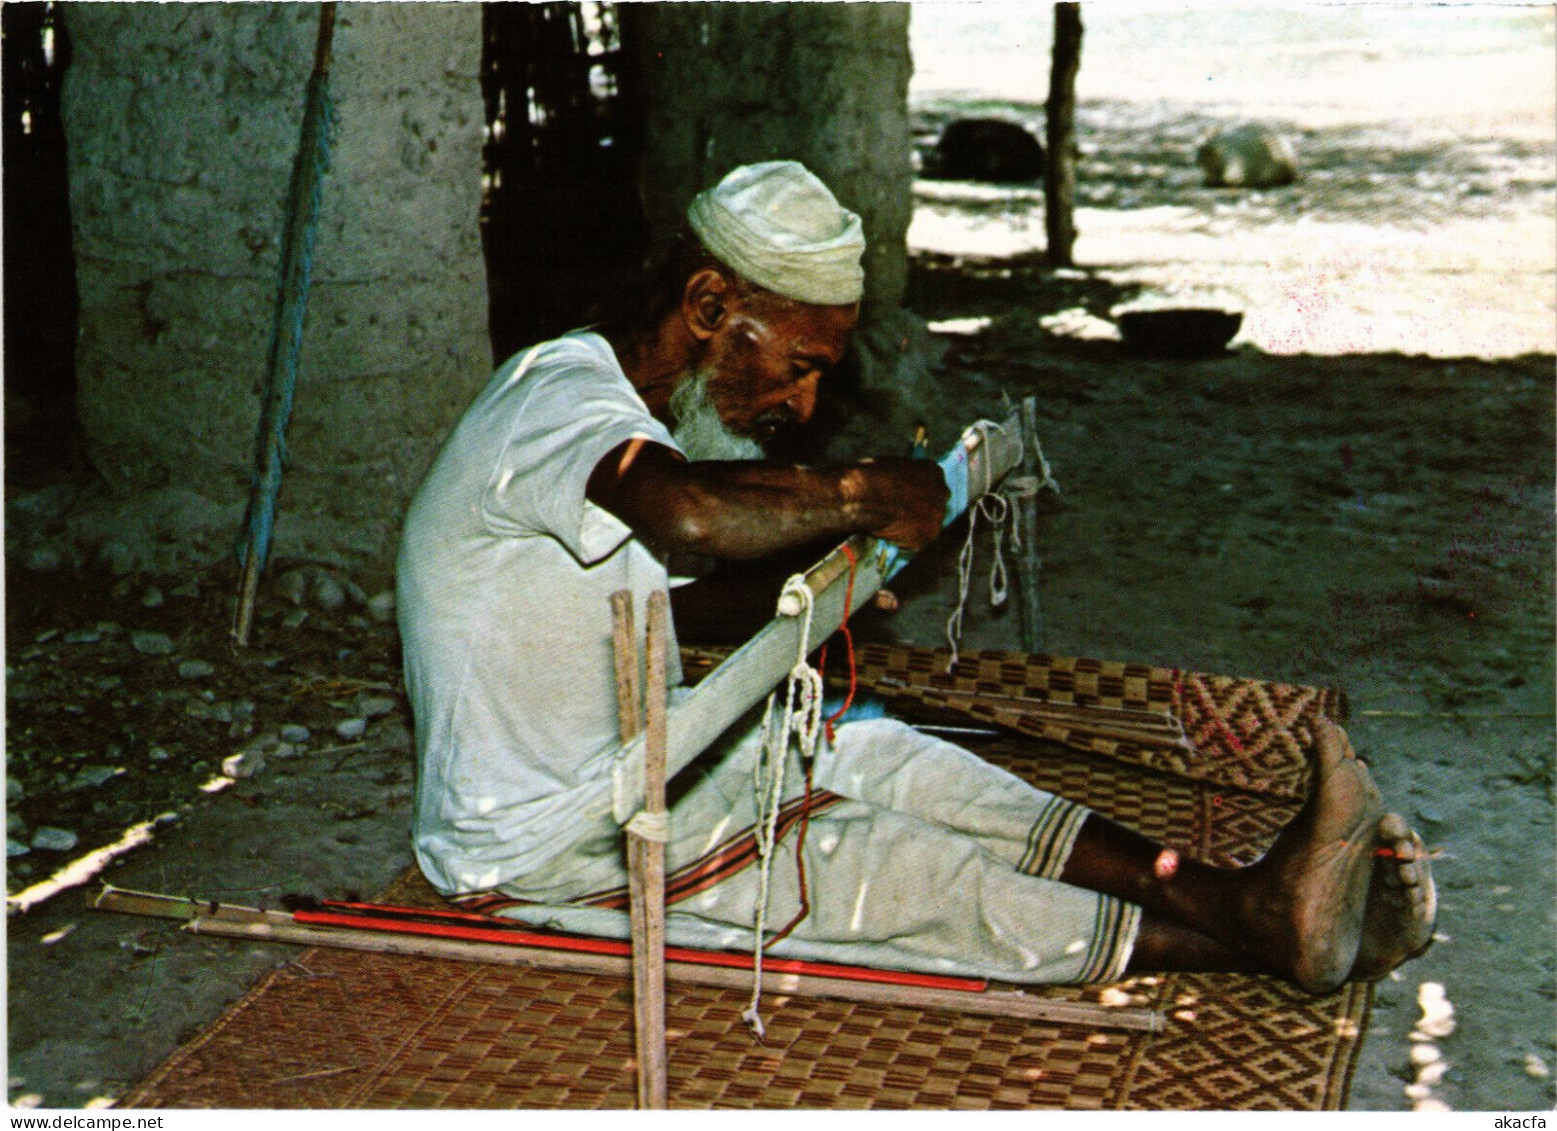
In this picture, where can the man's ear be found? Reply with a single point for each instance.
(705, 303)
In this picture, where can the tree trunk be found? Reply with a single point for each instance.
(1059, 179)
(183, 122)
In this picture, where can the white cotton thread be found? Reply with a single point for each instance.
(997, 507)
(998, 510)
(802, 720)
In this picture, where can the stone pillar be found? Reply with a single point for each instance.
(183, 122)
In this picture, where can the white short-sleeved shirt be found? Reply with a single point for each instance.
(503, 587)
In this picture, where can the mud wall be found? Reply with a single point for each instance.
(182, 122)
(825, 84)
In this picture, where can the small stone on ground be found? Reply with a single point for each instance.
(152, 643)
(372, 706)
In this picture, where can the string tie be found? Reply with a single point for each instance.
(650, 826)
(998, 510)
(802, 724)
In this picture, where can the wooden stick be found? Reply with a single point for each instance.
(1059, 176)
(629, 723)
(649, 950)
(229, 921)
(656, 701)
(303, 205)
(1454, 714)
(320, 1073)
(832, 569)
(643, 853)
(625, 649)
(987, 1004)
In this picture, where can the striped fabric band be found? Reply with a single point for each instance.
(1050, 840)
(733, 856)
(1113, 938)
(487, 902)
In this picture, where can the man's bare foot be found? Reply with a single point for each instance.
(1306, 908)
(1402, 901)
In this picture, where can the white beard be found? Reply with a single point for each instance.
(700, 432)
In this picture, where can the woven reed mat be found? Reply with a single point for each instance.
(1248, 733)
(342, 1029)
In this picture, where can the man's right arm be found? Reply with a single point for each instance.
(750, 509)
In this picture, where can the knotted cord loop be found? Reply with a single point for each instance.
(997, 510)
(1043, 466)
(997, 507)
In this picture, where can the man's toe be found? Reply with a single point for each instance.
(1393, 827)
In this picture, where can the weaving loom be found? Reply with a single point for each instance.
(838, 585)
(1209, 765)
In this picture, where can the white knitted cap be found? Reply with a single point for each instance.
(778, 226)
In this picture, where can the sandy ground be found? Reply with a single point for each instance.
(1313, 506)
(1359, 494)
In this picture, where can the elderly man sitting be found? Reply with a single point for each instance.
(586, 462)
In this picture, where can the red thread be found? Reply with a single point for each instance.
(805, 810)
(848, 639)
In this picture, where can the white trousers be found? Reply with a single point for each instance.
(918, 855)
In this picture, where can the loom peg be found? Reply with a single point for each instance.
(646, 853)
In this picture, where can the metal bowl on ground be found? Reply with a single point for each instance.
(1178, 332)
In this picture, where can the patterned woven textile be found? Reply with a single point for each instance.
(342, 1029)
(1246, 733)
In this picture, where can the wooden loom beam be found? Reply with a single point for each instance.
(974, 466)
(646, 854)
